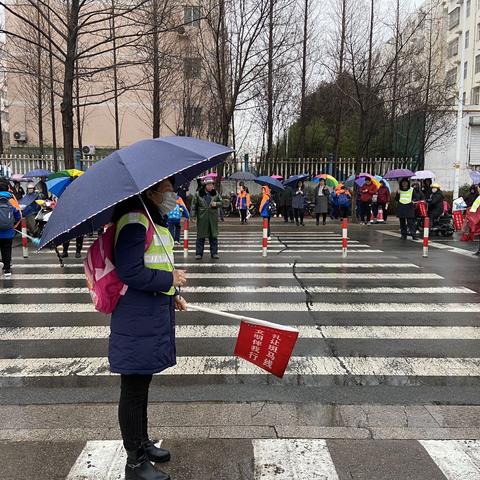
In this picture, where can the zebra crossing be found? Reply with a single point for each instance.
(306, 459)
(357, 318)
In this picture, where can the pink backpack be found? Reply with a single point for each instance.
(102, 280)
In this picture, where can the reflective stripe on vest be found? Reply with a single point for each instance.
(158, 256)
(406, 196)
(475, 205)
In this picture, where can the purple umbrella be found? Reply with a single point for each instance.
(475, 176)
(423, 175)
(38, 173)
(398, 173)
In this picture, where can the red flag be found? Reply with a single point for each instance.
(458, 220)
(265, 344)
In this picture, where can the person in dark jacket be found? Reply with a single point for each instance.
(321, 195)
(285, 204)
(435, 203)
(471, 196)
(142, 328)
(406, 198)
(9, 217)
(367, 191)
(298, 204)
(383, 199)
(18, 190)
(427, 187)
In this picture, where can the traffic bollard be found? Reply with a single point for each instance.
(426, 235)
(344, 237)
(24, 238)
(265, 237)
(185, 238)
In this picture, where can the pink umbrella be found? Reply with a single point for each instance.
(209, 175)
(277, 177)
(17, 177)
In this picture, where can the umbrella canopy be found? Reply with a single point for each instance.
(89, 202)
(17, 177)
(27, 200)
(360, 181)
(398, 173)
(37, 173)
(245, 176)
(386, 182)
(423, 174)
(277, 177)
(475, 176)
(294, 179)
(329, 179)
(271, 182)
(72, 173)
(58, 185)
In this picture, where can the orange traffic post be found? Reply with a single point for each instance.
(185, 238)
(344, 237)
(24, 238)
(426, 235)
(265, 237)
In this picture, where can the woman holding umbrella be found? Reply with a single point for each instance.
(321, 195)
(406, 198)
(265, 206)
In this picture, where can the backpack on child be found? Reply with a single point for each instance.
(175, 215)
(103, 283)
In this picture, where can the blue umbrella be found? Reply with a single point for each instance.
(58, 185)
(37, 173)
(89, 202)
(294, 179)
(273, 183)
(245, 176)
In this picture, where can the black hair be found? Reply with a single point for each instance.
(4, 185)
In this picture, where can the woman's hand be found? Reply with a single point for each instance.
(180, 303)
(179, 278)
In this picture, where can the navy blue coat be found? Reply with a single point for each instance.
(142, 330)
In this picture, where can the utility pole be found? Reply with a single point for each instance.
(461, 83)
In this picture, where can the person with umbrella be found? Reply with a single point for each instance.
(9, 217)
(17, 189)
(243, 203)
(435, 203)
(367, 191)
(406, 198)
(298, 203)
(285, 199)
(206, 205)
(383, 199)
(321, 195)
(265, 207)
(427, 187)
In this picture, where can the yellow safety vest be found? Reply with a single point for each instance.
(406, 196)
(159, 255)
(475, 205)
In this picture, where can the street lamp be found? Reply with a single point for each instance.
(461, 86)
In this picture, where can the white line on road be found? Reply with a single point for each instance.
(381, 332)
(457, 459)
(242, 275)
(44, 308)
(246, 265)
(293, 460)
(258, 290)
(222, 365)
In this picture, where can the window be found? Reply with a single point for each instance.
(191, 16)
(477, 64)
(192, 67)
(475, 100)
(469, 4)
(465, 69)
(451, 77)
(467, 38)
(454, 18)
(453, 48)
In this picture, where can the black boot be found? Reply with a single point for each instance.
(138, 467)
(155, 454)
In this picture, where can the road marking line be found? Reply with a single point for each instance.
(380, 332)
(257, 290)
(227, 365)
(44, 308)
(241, 275)
(457, 459)
(293, 460)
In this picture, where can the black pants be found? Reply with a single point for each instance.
(132, 410)
(407, 227)
(200, 246)
(324, 217)
(365, 211)
(6, 253)
(78, 244)
(174, 229)
(343, 212)
(287, 213)
(243, 215)
(376, 208)
(298, 214)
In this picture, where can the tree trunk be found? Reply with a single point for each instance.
(303, 93)
(68, 80)
(270, 83)
(156, 72)
(393, 113)
(52, 94)
(39, 87)
(79, 116)
(115, 79)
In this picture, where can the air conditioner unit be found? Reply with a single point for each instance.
(88, 150)
(20, 137)
(474, 121)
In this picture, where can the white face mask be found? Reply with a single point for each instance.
(434, 190)
(169, 202)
